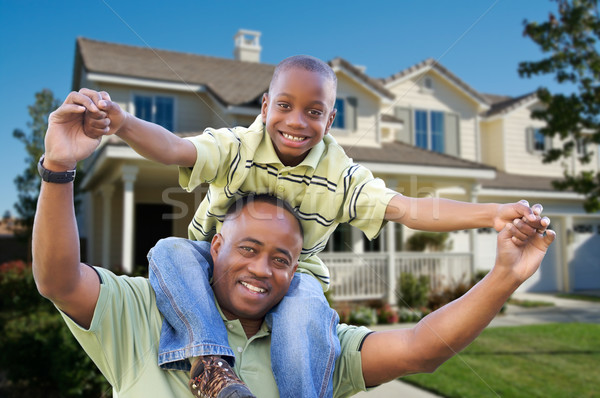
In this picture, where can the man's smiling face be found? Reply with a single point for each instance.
(255, 257)
(298, 111)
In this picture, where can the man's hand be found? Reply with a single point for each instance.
(108, 117)
(531, 215)
(65, 141)
(521, 248)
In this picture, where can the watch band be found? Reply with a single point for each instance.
(61, 177)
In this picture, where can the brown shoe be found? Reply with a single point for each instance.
(212, 377)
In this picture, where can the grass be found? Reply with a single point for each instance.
(582, 297)
(530, 303)
(550, 361)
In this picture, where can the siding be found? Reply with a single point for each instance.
(492, 144)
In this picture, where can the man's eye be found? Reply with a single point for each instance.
(282, 262)
(247, 249)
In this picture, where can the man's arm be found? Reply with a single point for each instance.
(437, 214)
(58, 272)
(150, 140)
(443, 333)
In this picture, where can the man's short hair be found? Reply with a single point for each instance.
(244, 201)
(308, 63)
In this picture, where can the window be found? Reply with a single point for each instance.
(155, 109)
(582, 147)
(338, 123)
(429, 130)
(539, 140)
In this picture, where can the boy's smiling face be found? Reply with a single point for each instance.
(298, 111)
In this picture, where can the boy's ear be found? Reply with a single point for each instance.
(330, 120)
(264, 106)
(215, 246)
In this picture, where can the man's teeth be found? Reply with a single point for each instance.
(253, 288)
(293, 138)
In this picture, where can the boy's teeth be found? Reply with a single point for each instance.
(291, 137)
(253, 288)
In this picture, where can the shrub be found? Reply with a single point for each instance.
(387, 315)
(412, 291)
(38, 354)
(434, 241)
(442, 296)
(363, 316)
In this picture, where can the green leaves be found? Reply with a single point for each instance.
(571, 40)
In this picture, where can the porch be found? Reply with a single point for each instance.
(369, 276)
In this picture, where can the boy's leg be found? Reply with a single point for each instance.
(304, 342)
(180, 270)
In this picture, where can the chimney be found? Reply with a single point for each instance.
(247, 46)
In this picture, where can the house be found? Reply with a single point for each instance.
(423, 130)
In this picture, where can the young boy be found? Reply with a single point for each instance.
(285, 152)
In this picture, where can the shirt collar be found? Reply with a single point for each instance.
(265, 153)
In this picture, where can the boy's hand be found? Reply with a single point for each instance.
(107, 120)
(531, 215)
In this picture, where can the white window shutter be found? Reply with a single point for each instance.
(529, 139)
(452, 134)
(352, 113)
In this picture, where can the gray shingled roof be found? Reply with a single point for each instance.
(515, 181)
(373, 83)
(431, 63)
(503, 104)
(401, 153)
(231, 81)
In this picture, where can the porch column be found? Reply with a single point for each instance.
(88, 204)
(107, 192)
(357, 241)
(474, 193)
(129, 176)
(567, 251)
(390, 238)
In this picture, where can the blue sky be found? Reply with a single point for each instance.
(479, 41)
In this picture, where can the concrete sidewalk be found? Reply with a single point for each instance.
(563, 311)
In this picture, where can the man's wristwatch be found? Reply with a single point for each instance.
(61, 177)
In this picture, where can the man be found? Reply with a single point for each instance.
(117, 322)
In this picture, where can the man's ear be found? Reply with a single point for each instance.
(330, 120)
(264, 106)
(215, 246)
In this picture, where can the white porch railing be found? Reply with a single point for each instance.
(367, 276)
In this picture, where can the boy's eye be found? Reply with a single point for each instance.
(284, 106)
(315, 112)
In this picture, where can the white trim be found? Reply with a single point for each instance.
(140, 82)
(424, 170)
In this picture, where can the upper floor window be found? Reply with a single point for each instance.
(536, 141)
(429, 130)
(539, 140)
(339, 121)
(156, 109)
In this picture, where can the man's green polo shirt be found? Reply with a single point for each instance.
(327, 188)
(123, 342)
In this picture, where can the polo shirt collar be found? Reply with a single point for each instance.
(265, 153)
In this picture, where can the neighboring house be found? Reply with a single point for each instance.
(423, 130)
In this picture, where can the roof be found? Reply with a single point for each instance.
(401, 153)
(429, 64)
(505, 180)
(233, 82)
(501, 105)
(360, 75)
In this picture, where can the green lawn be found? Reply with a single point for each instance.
(556, 360)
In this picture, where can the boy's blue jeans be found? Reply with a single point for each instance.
(304, 343)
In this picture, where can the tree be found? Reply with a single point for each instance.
(28, 182)
(570, 39)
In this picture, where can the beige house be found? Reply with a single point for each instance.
(423, 130)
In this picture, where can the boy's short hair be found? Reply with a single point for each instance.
(308, 63)
(244, 201)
